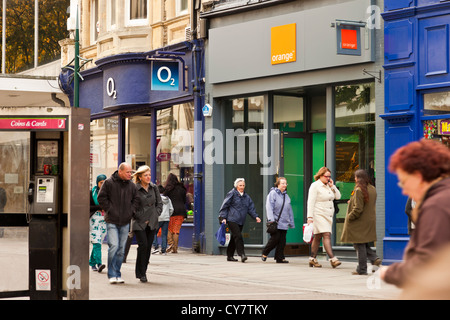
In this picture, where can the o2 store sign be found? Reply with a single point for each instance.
(165, 76)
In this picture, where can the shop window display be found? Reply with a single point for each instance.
(437, 104)
(14, 171)
(355, 141)
(175, 148)
(104, 147)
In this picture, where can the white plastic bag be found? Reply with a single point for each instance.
(308, 232)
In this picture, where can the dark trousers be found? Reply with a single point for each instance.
(364, 252)
(278, 241)
(236, 241)
(144, 239)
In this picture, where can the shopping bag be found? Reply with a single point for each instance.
(308, 232)
(220, 234)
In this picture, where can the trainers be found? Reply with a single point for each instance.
(156, 250)
(120, 280)
(113, 280)
(94, 268)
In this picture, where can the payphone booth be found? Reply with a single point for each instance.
(49, 183)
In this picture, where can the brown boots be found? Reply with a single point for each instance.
(314, 263)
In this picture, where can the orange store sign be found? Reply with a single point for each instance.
(349, 39)
(284, 44)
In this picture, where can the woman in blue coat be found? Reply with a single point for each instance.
(235, 207)
(278, 202)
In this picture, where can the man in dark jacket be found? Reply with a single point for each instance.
(119, 199)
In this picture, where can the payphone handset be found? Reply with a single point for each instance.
(43, 195)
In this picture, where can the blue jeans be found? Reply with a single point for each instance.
(164, 225)
(117, 238)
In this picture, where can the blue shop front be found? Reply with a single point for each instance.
(417, 94)
(146, 110)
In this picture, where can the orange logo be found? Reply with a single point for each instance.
(284, 44)
(349, 39)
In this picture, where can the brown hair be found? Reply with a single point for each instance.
(321, 172)
(430, 158)
(363, 182)
(277, 183)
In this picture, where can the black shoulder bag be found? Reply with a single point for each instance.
(272, 226)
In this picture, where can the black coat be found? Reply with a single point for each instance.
(119, 199)
(178, 197)
(150, 208)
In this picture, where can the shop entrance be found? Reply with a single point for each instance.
(294, 172)
(294, 164)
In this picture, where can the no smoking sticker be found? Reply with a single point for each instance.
(43, 280)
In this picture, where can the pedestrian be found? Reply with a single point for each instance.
(145, 221)
(423, 171)
(360, 222)
(119, 199)
(235, 207)
(176, 192)
(163, 221)
(97, 226)
(410, 204)
(320, 210)
(278, 208)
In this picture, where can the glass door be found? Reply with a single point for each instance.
(294, 172)
(288, 117)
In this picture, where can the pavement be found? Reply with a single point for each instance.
(188, 277)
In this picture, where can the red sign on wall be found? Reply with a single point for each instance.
(349, 39)
(33, 123)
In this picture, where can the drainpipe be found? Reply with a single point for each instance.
(58, 100)
(76, 83)
(199, 96)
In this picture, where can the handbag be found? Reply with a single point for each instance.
(272, 226)
(220, 234)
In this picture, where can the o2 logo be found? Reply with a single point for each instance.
(165, 76)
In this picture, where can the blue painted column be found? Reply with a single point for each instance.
(198, 241)
(121, 138)
(400, 118)
(153, 124)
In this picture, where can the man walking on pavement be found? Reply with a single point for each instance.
(118, 198)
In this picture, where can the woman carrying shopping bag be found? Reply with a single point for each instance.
(278, 208)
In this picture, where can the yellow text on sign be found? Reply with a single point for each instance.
(284, 44)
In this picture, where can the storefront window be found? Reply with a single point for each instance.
(246, 117)
(438, 130)
(175, 148)
(355, 141)
(104, 147)
(436, 103)
(14, 171)
(137, 140)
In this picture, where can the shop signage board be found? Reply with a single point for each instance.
(284, 43)
(444, 127)
(33, 123)
(165, 76)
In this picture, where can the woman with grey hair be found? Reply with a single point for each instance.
(235, 207)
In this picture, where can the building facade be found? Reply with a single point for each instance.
(293, 86)
(417, 85)
(142, 83)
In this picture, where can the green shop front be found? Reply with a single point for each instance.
(288, 115)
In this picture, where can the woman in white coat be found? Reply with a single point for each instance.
(320, 208)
